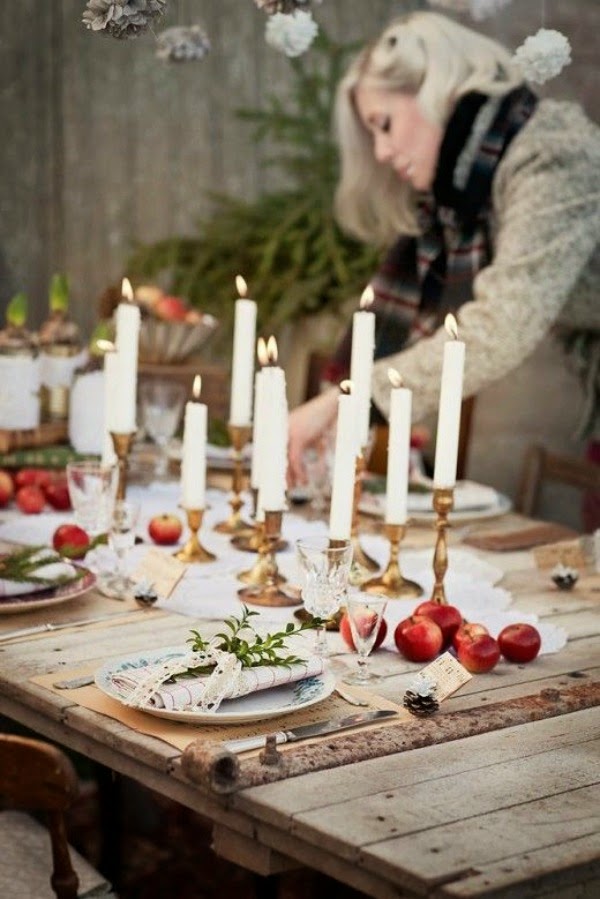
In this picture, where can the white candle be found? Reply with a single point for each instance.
(257, 430)
(193, 460)
(344, 466)
(110, 391)
(273, 442)
(123, 407)
(244, 332)
(361, 363)
(396, 503)
(446, 448)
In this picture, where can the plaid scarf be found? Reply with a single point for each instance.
(423, 278)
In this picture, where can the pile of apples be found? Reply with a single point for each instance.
(164, 306)
(33, 489)
(434, 628)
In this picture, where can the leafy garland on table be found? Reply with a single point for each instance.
(285, 243)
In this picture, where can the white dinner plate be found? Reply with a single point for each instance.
(253, 707)
(42, 599)
(374, 504)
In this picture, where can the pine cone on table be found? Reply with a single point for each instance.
(421, 706)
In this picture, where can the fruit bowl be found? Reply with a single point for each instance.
(173, 341)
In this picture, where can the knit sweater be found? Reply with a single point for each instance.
(545, 267)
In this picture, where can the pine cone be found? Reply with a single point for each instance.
(122, 18)
(422, 706)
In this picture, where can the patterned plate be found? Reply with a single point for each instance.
(42, 599)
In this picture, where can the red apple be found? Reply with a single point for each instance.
(418, 638)
(519, 642)
(30, 499)
(170, 308)
(57, 494)
(7, 488)
(447, 618)
(468, 631)
(346, 633)
(71, 541)
(165, 529)
(479, 655)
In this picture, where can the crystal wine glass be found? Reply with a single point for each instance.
(364, 614)
(121, 537)
(92, 489)
(325, 569)
(161, 407)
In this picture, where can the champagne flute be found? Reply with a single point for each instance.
(364, 614)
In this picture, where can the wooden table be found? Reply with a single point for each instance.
(513, 810)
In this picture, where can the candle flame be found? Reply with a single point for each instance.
(451, 326)
(367, 298)
(261, 351)
(197, 387)
(272, 350)
(395, 377)
(346, 386)
(126, 290)
(241, 286)
(105, 346)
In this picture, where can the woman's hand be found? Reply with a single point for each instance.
(307, 423)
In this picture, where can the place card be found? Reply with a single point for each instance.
(567, 553)
(161, 570)
(448, 675)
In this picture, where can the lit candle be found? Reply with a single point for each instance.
(273, 442)
(123, 406)
(344, 466)
(193, 460)
(110, 390)
(244, 331)
(258, 418)
(361, 363)
(398, 451)
(446, 448)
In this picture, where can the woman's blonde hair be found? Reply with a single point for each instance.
(436, 60)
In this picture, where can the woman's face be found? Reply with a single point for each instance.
(402, 137)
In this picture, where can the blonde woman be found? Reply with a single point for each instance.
(486, 200)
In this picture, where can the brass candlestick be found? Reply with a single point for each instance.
(239, 435)
(443, 501)
(193, 551)
(270, 593)
(261, 572)
(391, 583)
(362, 563)
(122, 446)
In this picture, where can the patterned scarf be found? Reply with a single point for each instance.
(423, 278)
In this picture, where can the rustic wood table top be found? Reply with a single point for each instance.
(503, 805)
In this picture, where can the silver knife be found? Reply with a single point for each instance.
(42, 628)
(305, 731)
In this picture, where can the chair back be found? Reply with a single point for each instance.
(541, 466)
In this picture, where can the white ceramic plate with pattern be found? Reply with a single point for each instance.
(42, 599)
(253, 707)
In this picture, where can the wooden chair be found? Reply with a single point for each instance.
(540, 466)
(39, 777)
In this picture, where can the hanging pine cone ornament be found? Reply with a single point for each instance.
(182, 44)
(122, 19)
(420, 699)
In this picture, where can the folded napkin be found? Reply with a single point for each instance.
(188, 693)
(53, 574)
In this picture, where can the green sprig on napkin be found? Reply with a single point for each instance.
(22, 565)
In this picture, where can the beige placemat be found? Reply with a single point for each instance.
(180, 734)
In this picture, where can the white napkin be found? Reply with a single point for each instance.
(53, 572)
(187, 693)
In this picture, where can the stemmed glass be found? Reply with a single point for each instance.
(161, 407)
(121, 538)
(325, 570)
(364, 614)
(92, 490)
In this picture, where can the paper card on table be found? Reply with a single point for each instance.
(161, 570)
(448, 674)
(567, 553)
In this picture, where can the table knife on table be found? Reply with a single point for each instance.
(306, 731)
(42, 628)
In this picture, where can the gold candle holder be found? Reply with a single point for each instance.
(443, 501)
(261, 572)
(193, 551)
(234, 524)
(122, 446)
(362, 563)
(269, 592)
(391, 583)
